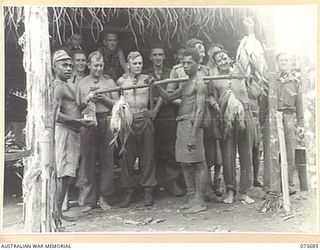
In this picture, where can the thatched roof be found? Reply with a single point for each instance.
(166, 24)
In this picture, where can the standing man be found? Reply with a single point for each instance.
(95, 140)
(255, 96)
(140, 142)
(67, 129)
(238, 128)
(211, 133)
(167, 168)
(73, 43)
(189, 144)
(114, 60)
(289, 97)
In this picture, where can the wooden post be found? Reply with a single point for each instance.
(284, 163)
(39, 182)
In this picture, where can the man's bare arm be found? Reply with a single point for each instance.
(200, 106)
(169, 97)
(63, 118)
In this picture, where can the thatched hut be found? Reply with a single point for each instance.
(39, 29)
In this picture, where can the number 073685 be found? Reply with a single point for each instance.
(309, 245)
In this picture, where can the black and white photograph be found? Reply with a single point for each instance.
(160, 119)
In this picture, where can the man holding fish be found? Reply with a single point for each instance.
(95, 139)
(140, 142)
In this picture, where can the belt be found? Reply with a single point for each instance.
(183, 117)
(143, 114)
(255, 113)
(287, 110)
(103, 114)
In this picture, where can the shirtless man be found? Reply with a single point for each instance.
(67, 129)
(95, 139)
(189, 144)
(140, 142)
(238, 132)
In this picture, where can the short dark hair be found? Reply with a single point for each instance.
(193, 53)
(156, 46)
(192, 43)
(77, 51)
(105, 34)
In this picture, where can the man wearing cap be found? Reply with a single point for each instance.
(114, 60)
(167, 169)
(237, 128)
(67, 129)
(140, 142)
(95, 139)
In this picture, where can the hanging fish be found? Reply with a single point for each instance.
(120, 124)
(250, 58)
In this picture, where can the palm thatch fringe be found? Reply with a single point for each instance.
(167, 24)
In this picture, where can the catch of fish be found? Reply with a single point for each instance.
(120, 125)
(251, 59)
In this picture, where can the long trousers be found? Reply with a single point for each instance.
(167, 168)
(96, 152)
(243, 140)
(140, 144)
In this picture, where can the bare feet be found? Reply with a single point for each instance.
(104, 205)
(196, 209)
(86, 208)
(246, 198)
(230, 197)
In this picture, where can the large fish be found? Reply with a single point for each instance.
(120, 125)
(250, 58)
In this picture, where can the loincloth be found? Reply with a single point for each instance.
(184, 131)
(67, 143)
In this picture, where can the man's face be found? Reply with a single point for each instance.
(76, 40)
(135, 65)
(222, 61)
(63, 69)
(79, 62)
(201, 50)
(111, 42)
(96, 66)
(157, 56)
(189, 65)
(283, 62)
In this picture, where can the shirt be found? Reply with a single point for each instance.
(88, 84)
(289, 94)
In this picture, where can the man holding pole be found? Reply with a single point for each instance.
(167, 169)
(140, 142)
(67, 129)
(95, 139)
(189, 144)
(230, 96)
(289, 102)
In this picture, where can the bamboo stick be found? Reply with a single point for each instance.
(165, 81)
(284, 163)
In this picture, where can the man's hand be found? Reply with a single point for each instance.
(192, 143)
(98, 97)
(90, 96)
(85, 123)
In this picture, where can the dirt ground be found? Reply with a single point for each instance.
(166, 216)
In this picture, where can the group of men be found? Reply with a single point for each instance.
(179, 130)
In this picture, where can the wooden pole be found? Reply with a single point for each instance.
(165, 81)
(284, 163)
(39, 182)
